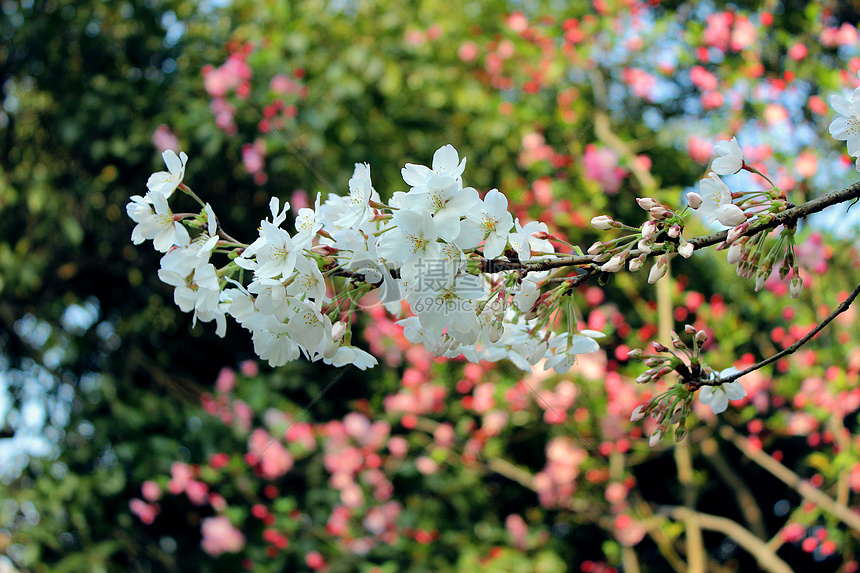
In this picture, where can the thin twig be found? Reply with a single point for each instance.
(793, 348)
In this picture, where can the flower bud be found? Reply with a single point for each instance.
(690, 329)
(735, 233)
(638, 413)
(645, 246)
(635, 354)
(686, 250)
(760, 278)
(734, 254)
(649, 229)
(694, 200)
(676, 416)
(596, 248)
(614, 264)
(795, 287)
(338, 329)
(658, 271)
(602, 223)
(656, 438)
(660, 212)
(658, 347)
(701, 337)
(731, 215)
(635, 264)
(647, 203)
(680, 433)
(674, 231)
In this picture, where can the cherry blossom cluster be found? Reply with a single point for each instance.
(439, 252)
(662, 234)
(672, 407)
(746, 211)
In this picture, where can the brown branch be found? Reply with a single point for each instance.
(766, 558)
(786, 217)
(791, 349)
(806, 490)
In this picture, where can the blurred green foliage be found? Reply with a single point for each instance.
(85, 85)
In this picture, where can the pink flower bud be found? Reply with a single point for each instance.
(647, 203)
(635, 354)
(635, 264)
(736, 232)
(686, 250)
(701, 337)
(658, 347)
(694, 200)
(690, 329)
(658, 271)
(614, 264)
(674, 231)
(660, 212)
(649, 229)
(656, 438)
(596, 248)
(602, 223)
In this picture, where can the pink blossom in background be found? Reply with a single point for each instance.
(468, 51)
(775, 113)
(249, 368)
(426, 466)
(743, 34)
(518, 22)
(146, 512)
(718, 31)
(703, 79)
(535, 149)
(601, 165)
(219, 536)
(798, 51)
(227, 77)
(164, 139)
(518, 530)
(640, 81)
(712, 100)
(197, 492)
(282, 84)
(700, 150)
(556, 483)
(151, 491)
(806, 164)
(226, 380)
(628, 531)
(180, 475)
(812, 254)
(299, 200)
(272, 457)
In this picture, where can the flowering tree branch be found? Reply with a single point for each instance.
(786, 217)
(794, 347)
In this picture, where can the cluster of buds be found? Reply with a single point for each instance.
(662, 234)
(744, 212)
(748, 253)
(671, 408)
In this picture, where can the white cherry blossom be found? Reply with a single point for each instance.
(730, 158)
(166, 182)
